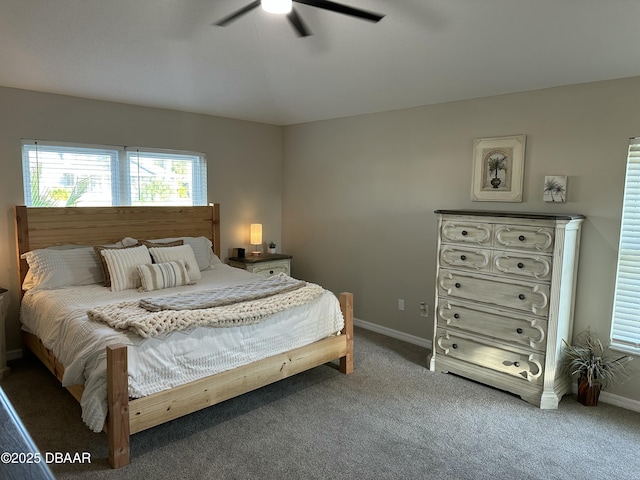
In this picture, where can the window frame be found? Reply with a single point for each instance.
(120, 168)
(627, 276)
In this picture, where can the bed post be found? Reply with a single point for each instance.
(118, 404)
(346, 305)
(22, 241)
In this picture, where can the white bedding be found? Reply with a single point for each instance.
(58, 317)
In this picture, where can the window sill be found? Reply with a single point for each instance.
(635, 351)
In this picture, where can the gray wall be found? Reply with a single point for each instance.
(359, 193)
(244, 162)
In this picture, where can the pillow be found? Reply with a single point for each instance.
(54, 268)
(148, 243)
(163, 275)
(214, 260)
(201, 248)
(122, 263)
(172, 254)
(103, 263)
(129, 242)
(70, 246)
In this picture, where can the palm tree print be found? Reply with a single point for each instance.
(496, 163)
(554, 188)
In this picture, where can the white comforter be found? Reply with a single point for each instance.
(58, 317)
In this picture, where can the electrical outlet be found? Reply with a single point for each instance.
(424, 309)
(401, 304)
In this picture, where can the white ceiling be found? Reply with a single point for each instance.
(166, 53)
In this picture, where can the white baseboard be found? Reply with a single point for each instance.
(617, 400)
(14, 354)
(389, 332)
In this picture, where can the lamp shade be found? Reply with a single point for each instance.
(256, 234)
(276, 6)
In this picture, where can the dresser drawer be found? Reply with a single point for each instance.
(467, 258)
(516, 329)
(520, 237)
(536, 267)
(467, 232)
(512, 361)
(270, 268)
(524, 296)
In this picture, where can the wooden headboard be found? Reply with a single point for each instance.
(45, 227)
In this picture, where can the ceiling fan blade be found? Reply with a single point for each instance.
(297, 23)
(340, 8)
(238, 13)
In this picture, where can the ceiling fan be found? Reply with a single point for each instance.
(283, 7)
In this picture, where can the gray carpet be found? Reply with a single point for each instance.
(391, 419)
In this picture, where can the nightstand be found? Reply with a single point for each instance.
(265, 264)
(4, 370)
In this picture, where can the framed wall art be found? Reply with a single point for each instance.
(498, 169)
(555, 188)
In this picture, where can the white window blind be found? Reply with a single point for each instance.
(64, 174)
(625, 327)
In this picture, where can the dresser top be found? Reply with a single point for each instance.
(486, 213)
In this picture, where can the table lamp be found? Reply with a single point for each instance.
(256, 238)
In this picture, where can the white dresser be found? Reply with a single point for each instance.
(504, 299)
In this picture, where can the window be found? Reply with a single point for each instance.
(625, 327)
(63, 174)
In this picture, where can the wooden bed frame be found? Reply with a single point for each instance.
(45, 227)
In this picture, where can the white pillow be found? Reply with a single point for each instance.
(122, 266)
(54, 268)
(201, 248)
(214, 260)
(156, 276)
(172, 254)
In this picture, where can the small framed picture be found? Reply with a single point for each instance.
(555, 189)
(498, 169)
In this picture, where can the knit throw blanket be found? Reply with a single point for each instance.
(263, 287)
(134, 317)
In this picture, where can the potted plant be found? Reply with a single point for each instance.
(272, 247)
(496, 163)
(595, 370)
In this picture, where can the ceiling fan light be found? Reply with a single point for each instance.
(277, 6)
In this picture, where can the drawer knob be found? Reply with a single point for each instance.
(457, 285)
(463, 257)
(454, 346)
(516, 364)
(521, 238)
(464, 233)
(519, 330)
(521, 296)
(520, 265)
(456, 315)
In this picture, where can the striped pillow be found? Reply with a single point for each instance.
(163, 275)
(103, 260)
(122, 264)
(173, 254)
